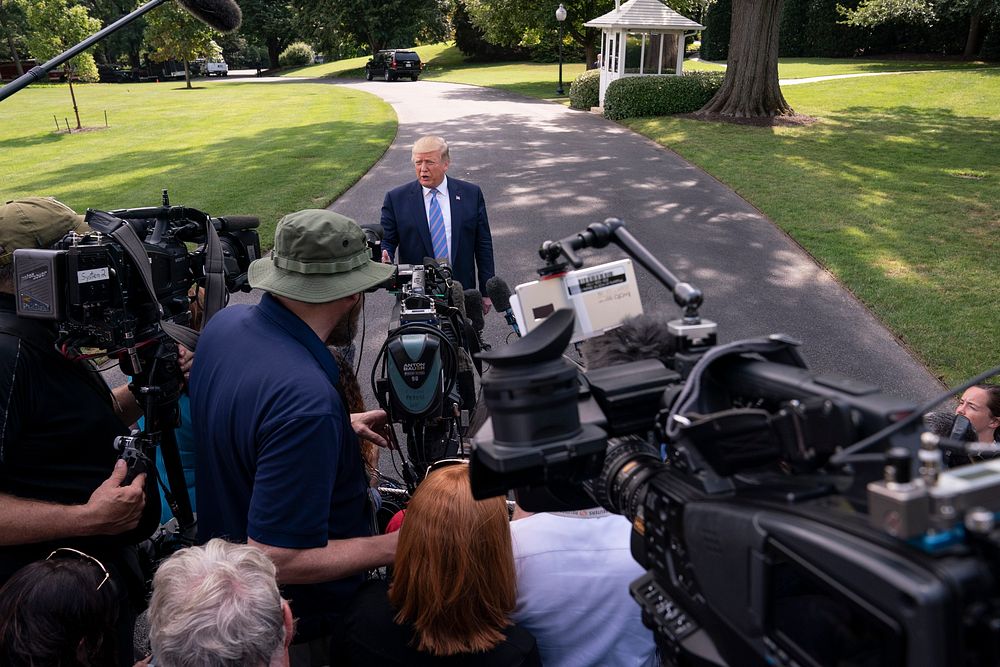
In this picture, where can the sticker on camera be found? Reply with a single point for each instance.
(92, 275)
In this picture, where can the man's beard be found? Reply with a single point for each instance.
(347, 328)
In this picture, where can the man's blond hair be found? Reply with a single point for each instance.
(429, 143)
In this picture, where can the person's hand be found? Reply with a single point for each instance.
(186, 359)
(113, 508)
(386, 257)
(369, 425)
(487, 305)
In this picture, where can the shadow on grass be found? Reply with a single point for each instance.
(900, 202)
(242, 165)
(32, 140)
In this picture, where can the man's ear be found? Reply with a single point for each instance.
(286, 613)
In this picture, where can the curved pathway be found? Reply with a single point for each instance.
(548, 171)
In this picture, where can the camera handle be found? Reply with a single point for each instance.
(599, 235)
(156, 384)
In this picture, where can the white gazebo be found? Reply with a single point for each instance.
(659, 32)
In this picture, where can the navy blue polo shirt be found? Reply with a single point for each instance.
(277, 460)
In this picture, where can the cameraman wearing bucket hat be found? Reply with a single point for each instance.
(60, 481)
(278, 461)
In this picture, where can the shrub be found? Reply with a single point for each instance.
(660, 95)
(585, 90)
(715, 36)
(296, 55)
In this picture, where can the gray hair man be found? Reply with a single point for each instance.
(218, 605)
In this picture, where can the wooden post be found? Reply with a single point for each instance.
(57, 122)
(106, 118)
(66, 120)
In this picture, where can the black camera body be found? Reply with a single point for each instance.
(92, 287)
(768, 537)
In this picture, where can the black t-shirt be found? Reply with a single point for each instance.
(371, 637)
(57, 429)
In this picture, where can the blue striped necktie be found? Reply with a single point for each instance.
(436, 224)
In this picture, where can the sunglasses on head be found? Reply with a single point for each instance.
(63, 552)
(444, 463)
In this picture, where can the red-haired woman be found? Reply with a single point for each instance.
(453, 587)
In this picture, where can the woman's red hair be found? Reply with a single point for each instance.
(454, 571)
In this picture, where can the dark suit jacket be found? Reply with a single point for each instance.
(404, 225)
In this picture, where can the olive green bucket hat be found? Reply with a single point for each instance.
(319, 256)
(35, 222)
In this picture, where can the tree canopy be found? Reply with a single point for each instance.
(174, 34)
(54, 26)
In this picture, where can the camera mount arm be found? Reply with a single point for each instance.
(599, 235)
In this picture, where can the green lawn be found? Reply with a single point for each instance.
(804, 68)
(224, 147)
(896, 190)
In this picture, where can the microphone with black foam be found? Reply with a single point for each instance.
(954, 431)
(223, 15)
(474, 308)
(499, 293)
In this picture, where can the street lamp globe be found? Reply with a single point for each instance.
(560, 17)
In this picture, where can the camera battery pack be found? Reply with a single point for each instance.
(39, 279)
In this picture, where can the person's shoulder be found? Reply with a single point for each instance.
(459, 184)
(403, 189)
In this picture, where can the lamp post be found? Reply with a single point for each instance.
(560, 18)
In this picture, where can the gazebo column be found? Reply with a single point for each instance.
(659, 58)
(642, 53)
(680, 53)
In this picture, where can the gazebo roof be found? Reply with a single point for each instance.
(644, 15)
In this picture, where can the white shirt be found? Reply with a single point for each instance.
(572, 591)
(445, 203)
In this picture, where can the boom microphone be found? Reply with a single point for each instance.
(474, 308)
(223, 15)
(499, 293)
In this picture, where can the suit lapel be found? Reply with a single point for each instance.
(455, 196)
(423, 230)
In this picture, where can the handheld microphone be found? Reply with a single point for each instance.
(951, 426)
(474, 308)
(223, 15)
(499, 293)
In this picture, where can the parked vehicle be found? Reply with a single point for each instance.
(216, 69)
(391, 64)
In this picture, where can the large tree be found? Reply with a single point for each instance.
(870, 13)
(750, 88)
(13, 27)
(125, 43)
(54, 27)
(506, 22)
(380, 24)
(176, 35)
(270, 23)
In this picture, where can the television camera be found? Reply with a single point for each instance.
(423, 375)
(784, 516)
(124, 291)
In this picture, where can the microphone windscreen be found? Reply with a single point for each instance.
(223, 15)
(474, 308)
(457, 298)
(499, 293)
(962, 429)
(232, 223)
(949, 425)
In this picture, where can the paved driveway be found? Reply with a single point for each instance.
(548, 171)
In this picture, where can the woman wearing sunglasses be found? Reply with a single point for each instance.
(59, 612)
(453, 587)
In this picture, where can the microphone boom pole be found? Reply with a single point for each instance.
(39, 71)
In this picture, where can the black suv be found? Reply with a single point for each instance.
(392, 64)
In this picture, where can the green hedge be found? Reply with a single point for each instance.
(296, 55)
(636, 96)
(715, 36)
(585, 90)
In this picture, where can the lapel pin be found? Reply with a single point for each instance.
(458, 197)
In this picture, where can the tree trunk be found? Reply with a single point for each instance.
(72, 95)
(187, 74)
(273, 51)
(974, 40)
(750, 89)
(10, 45)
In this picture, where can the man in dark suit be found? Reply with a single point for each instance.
(440, 217)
